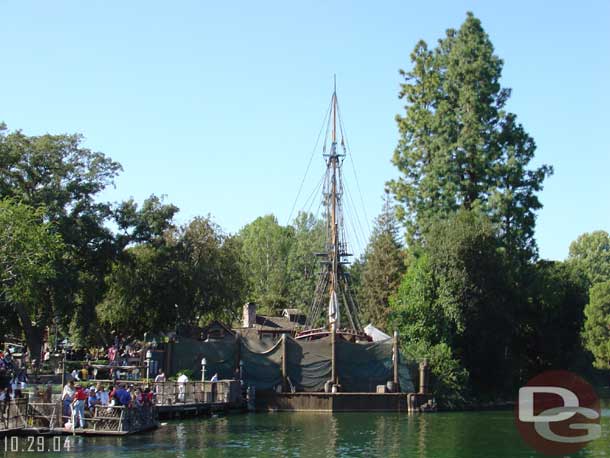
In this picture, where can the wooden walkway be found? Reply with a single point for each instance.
(39, 418)
(174, 399)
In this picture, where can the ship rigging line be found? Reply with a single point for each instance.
(308, 205)
(351, 159)
(353, 217)
(313, 152)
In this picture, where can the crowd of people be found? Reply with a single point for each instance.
(13, 377)
(80, 401)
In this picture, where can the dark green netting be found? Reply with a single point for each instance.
(360, 366)
(263, 368)
(220, 356)
(308, 363)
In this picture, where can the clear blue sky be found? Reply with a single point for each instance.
(218, 104)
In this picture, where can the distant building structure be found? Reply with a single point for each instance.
(272, 327)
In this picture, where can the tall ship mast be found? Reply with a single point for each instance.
(334, 308)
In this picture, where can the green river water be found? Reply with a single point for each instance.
(450, 435)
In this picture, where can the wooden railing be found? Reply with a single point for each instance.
(45, 415)
(121, 418)
(104, 418)
(222, 391)
(13, 414)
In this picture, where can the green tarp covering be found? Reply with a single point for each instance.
(360, 366)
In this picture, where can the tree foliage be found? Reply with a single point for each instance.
(548, 315)
(458, 146)
(596, 332)
(29, 249)
(183, 276)
(590, 253)
(383, 266)
(265, 249)
(308, 239)
(454, 293)
(279, 261)
(57, 173)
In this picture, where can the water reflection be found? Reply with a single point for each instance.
(311, 435)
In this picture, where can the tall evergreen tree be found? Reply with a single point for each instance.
(383, 266)
(458, 147)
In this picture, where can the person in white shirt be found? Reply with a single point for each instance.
(66, 397)
(160, 377)
(182, 387)
(103, 396)
(214, 378)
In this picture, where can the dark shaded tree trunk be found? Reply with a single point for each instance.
(33, 333)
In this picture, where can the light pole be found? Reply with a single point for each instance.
(203, 363)
(56, 333)
(148, 358)
(63, 368)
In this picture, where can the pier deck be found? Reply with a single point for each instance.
(176, 399)
(270, 401)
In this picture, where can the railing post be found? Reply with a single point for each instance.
(237, 354)
(333, 373)
(284, 363)
(423, 376)
(396, 361)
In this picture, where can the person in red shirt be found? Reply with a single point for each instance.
(148, 396)
(78, 406)
(111, 354)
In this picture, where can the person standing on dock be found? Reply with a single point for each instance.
(182, 387)
(66, 397)
(103, 395)
(160, 378)
(78, 407)
(122, 396)
(92, 400)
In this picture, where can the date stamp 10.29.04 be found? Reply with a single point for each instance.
(46, 444)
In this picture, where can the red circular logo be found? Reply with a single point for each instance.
(558, 413)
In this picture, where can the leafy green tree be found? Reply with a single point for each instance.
(265, 249)
(382, 268)
(213, 282)
(143, 292)
(459, 148)
(596, 333)
(415, 309)
(454, 293)
(146, 224)
(426, 332)
(29, 248)
(183, 276)
(549, 314)
(590, 252)
(449, 379)
(303, 265)
(55, 172)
